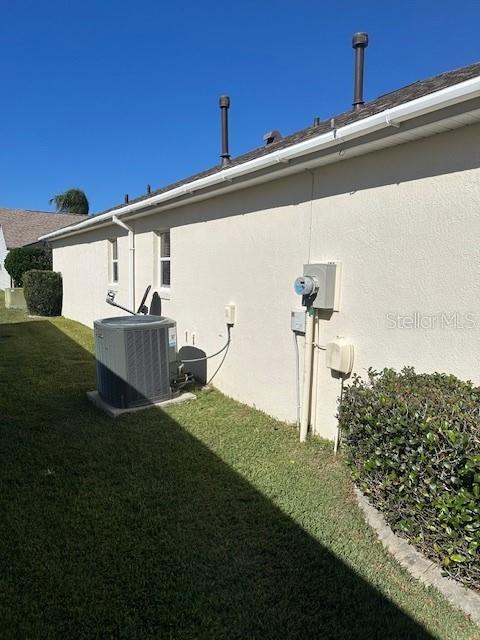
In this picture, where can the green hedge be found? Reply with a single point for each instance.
(23, 259)
(413, 442)
(43, 292)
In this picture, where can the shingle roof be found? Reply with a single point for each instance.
(21, 226)
(387, 101)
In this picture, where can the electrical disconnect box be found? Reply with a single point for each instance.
(339, 355)
(320, 285)
(230, 314)
(297, 320)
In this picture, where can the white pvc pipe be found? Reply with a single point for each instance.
(307, 373)
(336, 441)
(297, 376)
(131, 261)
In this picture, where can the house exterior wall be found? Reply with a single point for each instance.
(4, 277)
(86, 273)
(404, 222)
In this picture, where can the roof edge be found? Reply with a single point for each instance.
(388, 118)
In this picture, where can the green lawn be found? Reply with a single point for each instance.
(206, 520)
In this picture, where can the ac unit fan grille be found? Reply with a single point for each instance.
(147, 357)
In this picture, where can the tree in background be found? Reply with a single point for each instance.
(71, 201)
(23, 259)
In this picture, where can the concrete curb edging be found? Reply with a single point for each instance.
(417, 565)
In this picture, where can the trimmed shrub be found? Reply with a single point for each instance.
(23, 259)
(43, 292)
(413, 442)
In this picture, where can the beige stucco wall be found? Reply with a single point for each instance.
(404, 222)
(84, 264)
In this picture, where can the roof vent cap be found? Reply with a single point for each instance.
(360, 39)
(272, 136)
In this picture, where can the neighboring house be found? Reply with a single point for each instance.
(19, 227)
(4, 277)
(392, 191)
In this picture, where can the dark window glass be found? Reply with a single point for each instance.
(165, 265)
(166, 244)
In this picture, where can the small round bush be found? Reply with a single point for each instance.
(23, 259)
(43, 292)
(413, 442)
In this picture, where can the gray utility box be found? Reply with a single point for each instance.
(136, 359)
(325, 274)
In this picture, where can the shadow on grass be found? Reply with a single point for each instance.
(134, 529)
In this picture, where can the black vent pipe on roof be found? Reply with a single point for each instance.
(224, 107)
(359, 43)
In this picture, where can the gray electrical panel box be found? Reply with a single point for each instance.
(325, 274)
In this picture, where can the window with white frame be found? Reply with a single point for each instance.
(113, 251)
(164, 259)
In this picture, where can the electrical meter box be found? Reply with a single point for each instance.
(327, 279)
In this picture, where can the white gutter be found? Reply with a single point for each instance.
(131, 260)
(458, 93)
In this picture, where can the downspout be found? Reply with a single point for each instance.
(131, 259)
(307, 375)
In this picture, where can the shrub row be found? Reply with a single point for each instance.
(43, 292)
(413, 442)
(23, 259)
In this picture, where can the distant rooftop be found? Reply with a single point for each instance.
(22, 226)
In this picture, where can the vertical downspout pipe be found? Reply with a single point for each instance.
(307, 373)
(224, 102)
(131, 260)
(359, 43)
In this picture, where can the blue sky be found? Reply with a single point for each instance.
(112, 95)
